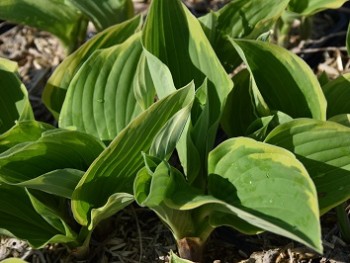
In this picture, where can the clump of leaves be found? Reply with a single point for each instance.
(134, 95)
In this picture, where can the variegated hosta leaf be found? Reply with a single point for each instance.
(105, 13)
(56, 16)
(324, 149)
(114, 170)
(56, 87)
(240, 19)
(19, 218)
(270, 186)
(14, 101)
(337, 93)
(100, 99)
(310, 7)
(284, 80)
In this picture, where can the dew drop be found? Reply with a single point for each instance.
(250, 182)
(270, 201)
(100, 100)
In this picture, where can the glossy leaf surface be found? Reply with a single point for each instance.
(323, 148)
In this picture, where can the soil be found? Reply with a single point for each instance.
(138, 235)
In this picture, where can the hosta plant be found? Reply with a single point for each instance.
(139, 93)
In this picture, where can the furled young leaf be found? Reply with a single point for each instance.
(55, 90)
(55, 16)
(310, 7)
(284, 80)
(240, 19)
(115, 169)
(100, 99)
(270, 185)
(22, 131)
(106, 13)
(55, 149)
(18, 218)
(14, 102)
(324, 149)
(337, 93)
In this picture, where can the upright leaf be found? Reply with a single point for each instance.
(55, 16)
(348, 40)
(14, 101)
(106, 13)
(337, 93)
(324, 149)
(100, 99)
(310, 7)
(240, 19)
(284, 80)
(114, 170)
(56, 88)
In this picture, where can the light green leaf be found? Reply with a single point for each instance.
(23, 131)
(175, 259)
(18, 218)
(337, 93)
(60, 182)
(56, 88)
(287, 84)
(55, 149)
(55, 16)
(310, 7)
(115, 169)
(240, 19)
(100, 99)
(269, 185)
(106, 13)
(342, 119)
(14, 101)
(348, 39)
(13, 260)
(324, 149)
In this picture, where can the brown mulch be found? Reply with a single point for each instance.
(137, 234)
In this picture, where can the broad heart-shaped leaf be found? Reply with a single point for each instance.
(324, 149)
(106, 13)
(284, 80)
(55, 149)
(269, 184)
(115, 169)
(14, 102)
(240, 19)
(57, 17)
(56, 87)
(100, 99)
(18, 218)
(22, 131)
(337, 93)
(310, 7)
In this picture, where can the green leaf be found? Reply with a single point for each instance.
(287, 84)
(240, 111)
(348, 40)
(14, 101)
(337, 93)
(175, 259)
(106, 13)
(310, 7)
(55, 16)
(269, 185)
(56, 88)
(324, 149)
(18, 218)
(115, 169)
(240, 19)
(55, 149)
(342, 119)
(13, 260)
(23, 131)
(100, 99)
